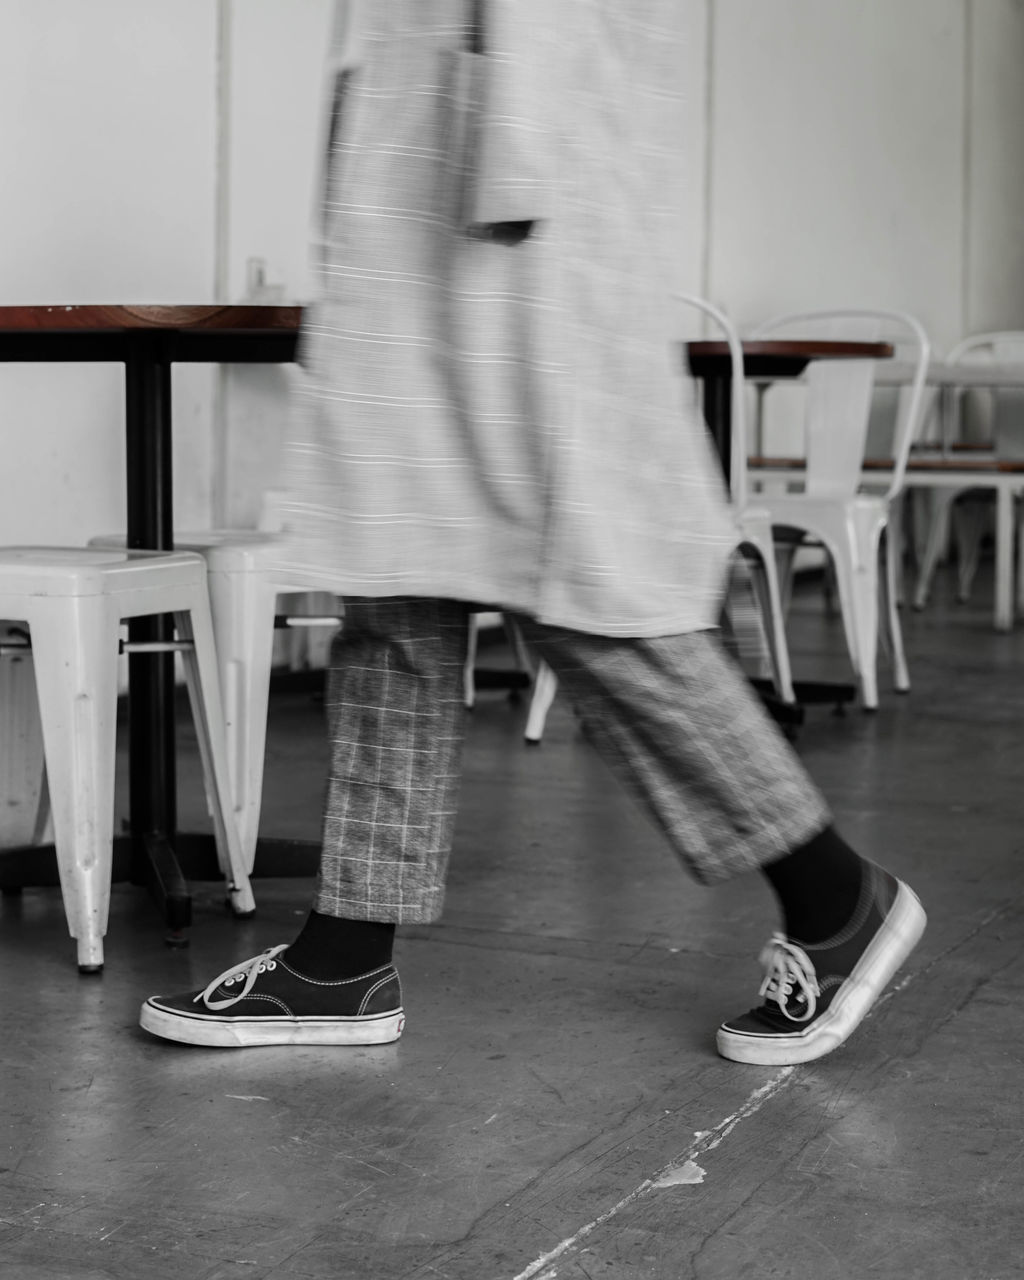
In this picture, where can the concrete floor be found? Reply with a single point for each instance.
(556, 1107)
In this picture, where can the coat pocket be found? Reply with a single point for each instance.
(501, 161)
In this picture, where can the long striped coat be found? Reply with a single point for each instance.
(500, 422)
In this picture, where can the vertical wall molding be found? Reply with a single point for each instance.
(966, 272)
(219, 451)
(222, 176)
(709, 148)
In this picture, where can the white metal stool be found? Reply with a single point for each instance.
(74, 600)
(244, 584)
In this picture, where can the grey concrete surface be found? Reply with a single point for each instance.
(556, 1108)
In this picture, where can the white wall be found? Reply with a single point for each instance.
(994, 168)
(272, 131)
(106, 194)
(837, 175)
(852, 153)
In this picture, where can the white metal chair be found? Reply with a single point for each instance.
(753, 537)
(1001, 427)
(833, 508)
(73, 601)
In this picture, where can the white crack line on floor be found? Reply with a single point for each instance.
(707, 1141)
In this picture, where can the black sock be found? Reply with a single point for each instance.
(330, 948)
(818, 886)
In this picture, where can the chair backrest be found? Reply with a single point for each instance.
(840, 394)
(737, 398)
(1005, 410)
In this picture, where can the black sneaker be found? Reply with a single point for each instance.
(815, 996)
(263, 1001)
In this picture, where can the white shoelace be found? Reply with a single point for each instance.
(788, 969)
(247, 972)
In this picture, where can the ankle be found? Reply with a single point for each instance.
(330, 948)
(818, 886)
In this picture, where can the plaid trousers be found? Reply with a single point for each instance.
(673, 716)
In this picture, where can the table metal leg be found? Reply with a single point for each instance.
(152, 769)
(718, 415)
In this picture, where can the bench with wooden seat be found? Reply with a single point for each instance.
(958, 467)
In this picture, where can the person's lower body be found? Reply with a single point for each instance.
(675, 718)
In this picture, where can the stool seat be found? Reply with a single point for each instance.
(92, 571)
(74, 601)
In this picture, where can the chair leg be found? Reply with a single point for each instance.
(896, 545)
(865, 594)
(766, 587)
(900, 671)
(1020, 563)
(969, 521)
(545, 686)
(242, 607)
(468, 671)
(858, 601)
(200, 663)
(920, 506)
(742, 618)
(785, 559)
(74, 645)
(1004, 559)
(938, 541)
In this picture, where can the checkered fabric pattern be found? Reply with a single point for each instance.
(676, 719)
(396, 721)
(673, 716)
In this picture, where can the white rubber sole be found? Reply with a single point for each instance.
(250, 1033)
(898, 936)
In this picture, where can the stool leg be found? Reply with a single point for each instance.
(545, 686)
(200, 663)
(74, 647)
(25, 810)
(469, 668)
(242, 609)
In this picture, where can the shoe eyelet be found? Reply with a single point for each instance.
(272, 964)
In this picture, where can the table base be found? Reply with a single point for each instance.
(164, 870)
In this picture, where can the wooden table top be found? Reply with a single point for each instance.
(109, 318)
(794, 348)
(105, 317)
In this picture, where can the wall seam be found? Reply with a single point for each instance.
(707, 158)
(965, 175)
(222, 174)
(219, 454)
